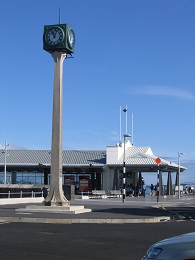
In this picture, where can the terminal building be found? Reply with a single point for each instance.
(87, 169)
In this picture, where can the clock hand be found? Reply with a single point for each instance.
(53, 34)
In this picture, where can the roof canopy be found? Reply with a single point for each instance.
(140, 159)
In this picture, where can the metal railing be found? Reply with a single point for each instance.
(21, 194)
(86, 193)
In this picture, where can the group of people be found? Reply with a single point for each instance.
(136, 191)
(188, 190)
(153, 190)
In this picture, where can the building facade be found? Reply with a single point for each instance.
(86, 169)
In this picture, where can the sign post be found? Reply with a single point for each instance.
(158, 161)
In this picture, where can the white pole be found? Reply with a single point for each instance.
(120, 126)
(178, 175)
(126, 119)
(5, 163)
(132, 127)
(124, 172)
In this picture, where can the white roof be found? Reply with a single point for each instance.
(136, 156)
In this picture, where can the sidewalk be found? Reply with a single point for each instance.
(112, 210)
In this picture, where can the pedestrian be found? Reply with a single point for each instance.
(151, 189)
(128, 191)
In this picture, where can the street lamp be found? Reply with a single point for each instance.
(5, 162)
(179, 154)
(124, 168)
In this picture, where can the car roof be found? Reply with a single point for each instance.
(184, 238)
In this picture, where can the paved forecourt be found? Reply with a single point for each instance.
(112, 210)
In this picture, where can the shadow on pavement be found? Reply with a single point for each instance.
(143, 212)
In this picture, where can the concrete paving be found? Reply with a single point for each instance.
(111, 210)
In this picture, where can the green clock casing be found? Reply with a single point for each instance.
(58, 37)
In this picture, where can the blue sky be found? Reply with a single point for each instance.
(139, 53)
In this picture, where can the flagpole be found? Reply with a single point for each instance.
(132, 128)
(126, 119)
(125, 110)
(120, 126)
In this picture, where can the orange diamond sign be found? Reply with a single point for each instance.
(158, 160)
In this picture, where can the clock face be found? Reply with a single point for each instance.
(54, 36)
(71, 38)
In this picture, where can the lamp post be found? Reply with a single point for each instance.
(5, 162)
(124, 167)
(179, 154)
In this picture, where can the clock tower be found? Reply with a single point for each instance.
(60, 37)
(58, 40)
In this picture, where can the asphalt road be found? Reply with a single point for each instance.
(37, 240)
(84, 241)
(187, 212)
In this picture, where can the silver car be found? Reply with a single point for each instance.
(174, 248)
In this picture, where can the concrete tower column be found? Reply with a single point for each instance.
(56, 194)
